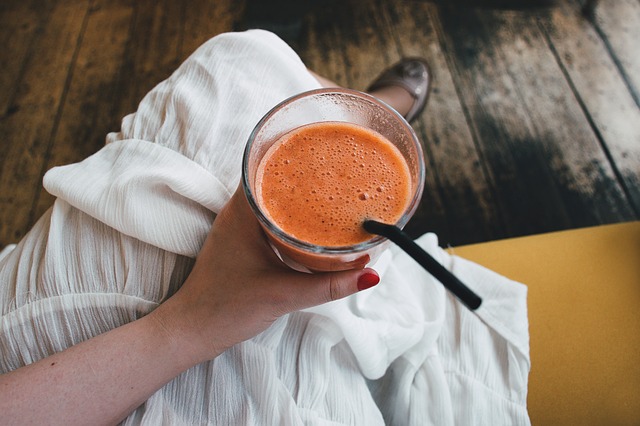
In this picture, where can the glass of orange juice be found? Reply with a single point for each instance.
(320, 163)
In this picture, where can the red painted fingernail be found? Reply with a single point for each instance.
(367, 280)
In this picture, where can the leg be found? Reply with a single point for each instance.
(404, 86)
(397, 97)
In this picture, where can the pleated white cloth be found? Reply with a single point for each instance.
(128, 221)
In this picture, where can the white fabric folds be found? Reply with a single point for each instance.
(127, 222)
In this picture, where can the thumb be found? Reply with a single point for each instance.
(325, 287)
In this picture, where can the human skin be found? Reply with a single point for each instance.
(237, 288)
(397, 97)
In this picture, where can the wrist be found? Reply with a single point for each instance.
(181, 332)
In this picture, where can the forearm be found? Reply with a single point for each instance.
(236, 289)
(99, 381)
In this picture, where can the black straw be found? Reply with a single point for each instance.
(450, 281)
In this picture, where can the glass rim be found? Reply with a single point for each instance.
(315, 248)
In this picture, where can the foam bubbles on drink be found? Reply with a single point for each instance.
(351, 172)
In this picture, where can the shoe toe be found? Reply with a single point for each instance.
(413, 75)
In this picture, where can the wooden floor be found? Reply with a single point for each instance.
(533, 123)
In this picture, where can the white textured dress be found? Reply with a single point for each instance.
(128, 221)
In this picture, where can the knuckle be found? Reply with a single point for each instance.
(334, 288)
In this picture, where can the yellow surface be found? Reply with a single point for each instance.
(584, 320)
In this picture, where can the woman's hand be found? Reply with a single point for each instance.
(235, 290)
(238, 287)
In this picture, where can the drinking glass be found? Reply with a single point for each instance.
(330, 105)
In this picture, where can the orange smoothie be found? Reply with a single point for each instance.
(319, 182)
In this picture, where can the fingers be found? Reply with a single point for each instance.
(316, 289)
(291, 290)
(237, 213)
(238, 229)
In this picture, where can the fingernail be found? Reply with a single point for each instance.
(367, 280)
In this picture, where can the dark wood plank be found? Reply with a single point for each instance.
(430, 215)
(352, 44)
(458, 205)
(87, 114)
(114, 55)
(368, 46)
(548, 167)
(20, 21)
(600, 87)
(153, 51)
(163, 34)
(348, 42)
(618, 23)
(40, 92)
(531, 125)
(355, 42)
(376, 44)
(205, 19)
(319, 47)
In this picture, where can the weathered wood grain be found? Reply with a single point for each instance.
(319, 48)
(40, 90)
(205, 19)
(531, 125)
(459, 205)
(153, 50)
(87, 113)
(20, 22)
(367, 45)
(548, 167)
(375, 35)
(618, 23)
(430, 215)
(586, 180)
(600, 87)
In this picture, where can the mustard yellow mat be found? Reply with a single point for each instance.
(584, 320)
